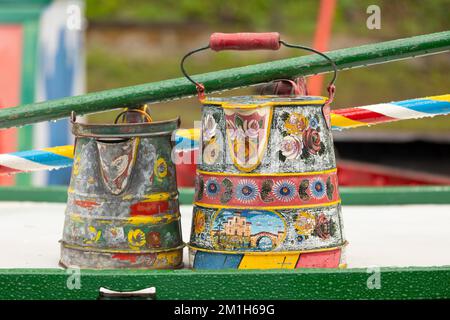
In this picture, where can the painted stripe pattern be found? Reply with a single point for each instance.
(293, 260)
(36, 160)
(187, 139)
(388, 112)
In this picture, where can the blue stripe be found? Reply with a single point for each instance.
(425, 105)
(210, 260)
(44, 157)
(183, 144)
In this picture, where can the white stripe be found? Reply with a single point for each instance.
(394, 111)
(22, 164)
(40, 140)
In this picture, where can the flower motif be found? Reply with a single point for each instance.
(199, 222)
(93, 235)
(251, 128)
(154, 239)
(300, 238)
(212, 188)
(211, 153)
(318, 188)
(209, 127)
(246, 190)
(160, 168)
(323, 227)
(311, 141)
(115, 234)
(136, 238)
(305, 223)
(296, 123)
(291, 147)
(313, 123)
(284, 190)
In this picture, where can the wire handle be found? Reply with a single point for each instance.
(252, 41)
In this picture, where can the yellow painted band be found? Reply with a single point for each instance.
(160, 196)
(269, 262)
(153, 197)
(65, 151)
(231, 105)
(338, 120)
(287, 174)
(218, 206)
(255, 253)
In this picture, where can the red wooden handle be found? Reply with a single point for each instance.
(244, 41)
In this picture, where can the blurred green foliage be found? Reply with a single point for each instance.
(292, 16)
(109, 67)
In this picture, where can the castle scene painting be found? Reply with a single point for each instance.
(249, 230)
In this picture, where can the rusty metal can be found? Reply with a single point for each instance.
(122, 208)
(266, 188)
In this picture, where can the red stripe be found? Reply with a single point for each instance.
(7, 170)
(149, 208)
(363, 115)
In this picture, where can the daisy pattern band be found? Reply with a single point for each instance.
(216, 189)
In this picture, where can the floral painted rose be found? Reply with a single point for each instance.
(311, 141)
(291, 147)
(209, 127)
(154, 239)
(305, 223)
(322, 229)
(296, 123)
(251, 128)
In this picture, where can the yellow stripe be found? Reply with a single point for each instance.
(290, 174)
(268, 253)
(232, 105)
(445, 97)
(219, 206)
(288, 261)
(193, 133)
(65, 151)
(160, 196)
(338, 120)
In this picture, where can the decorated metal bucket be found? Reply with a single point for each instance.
(266, 186)
(122, 209)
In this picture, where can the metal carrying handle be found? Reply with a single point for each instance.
(144, 113)
(252, 41)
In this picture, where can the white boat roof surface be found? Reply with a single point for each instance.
(382, 236)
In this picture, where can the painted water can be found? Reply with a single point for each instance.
(266, 193)
(122, 208)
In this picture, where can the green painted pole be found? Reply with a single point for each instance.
(226, 79)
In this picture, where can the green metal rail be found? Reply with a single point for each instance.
(308, 284)
(226, 79)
